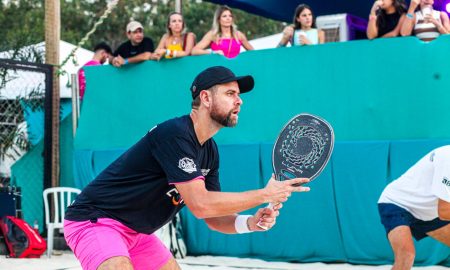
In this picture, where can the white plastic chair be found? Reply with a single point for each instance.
(62, 197)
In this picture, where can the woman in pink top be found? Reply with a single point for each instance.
(223, 38)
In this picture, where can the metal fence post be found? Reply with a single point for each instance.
(75, 103)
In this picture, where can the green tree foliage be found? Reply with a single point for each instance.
(21, 24)
(22, 21)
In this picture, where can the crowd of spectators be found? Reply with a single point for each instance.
(387, 18)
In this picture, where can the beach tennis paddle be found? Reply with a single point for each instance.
(302, 149)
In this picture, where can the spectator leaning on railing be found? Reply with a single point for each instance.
(102, 52)
(386, 18)
(137, 49)
(223, 38)
(426, 23)
(176, 42)
(303, 31)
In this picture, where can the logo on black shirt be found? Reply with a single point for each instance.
(175, 196)
(187, 165)
(205, 171)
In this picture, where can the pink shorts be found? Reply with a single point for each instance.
(93, 243)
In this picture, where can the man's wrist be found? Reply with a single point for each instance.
(125, 61)
(241, 224)
(248, 224)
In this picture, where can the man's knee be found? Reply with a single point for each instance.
(402, 244)
(406, 255)
(116, 263)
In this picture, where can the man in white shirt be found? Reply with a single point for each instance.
(418, 205)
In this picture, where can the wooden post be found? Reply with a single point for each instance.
(178, 4)
(52, 37)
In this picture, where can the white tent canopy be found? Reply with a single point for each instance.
(24, 81)
(268, 42)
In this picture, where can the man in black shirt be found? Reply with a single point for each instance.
(137, 49)
(111, 223)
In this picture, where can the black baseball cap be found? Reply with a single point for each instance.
(218, 75)
(103, 46)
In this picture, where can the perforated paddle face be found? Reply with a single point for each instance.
(303, 148)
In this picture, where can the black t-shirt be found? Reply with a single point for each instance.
(388, 23)
(138, 188)
(127, 49)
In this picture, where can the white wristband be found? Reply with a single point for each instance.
(241, 225)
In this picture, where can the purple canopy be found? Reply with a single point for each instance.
(283, 10)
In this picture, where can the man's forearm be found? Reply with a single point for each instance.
(223, 224)
(213, 204)
(140, 57)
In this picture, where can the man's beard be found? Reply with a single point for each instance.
(224, 120)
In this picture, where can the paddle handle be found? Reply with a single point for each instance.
(270, 206)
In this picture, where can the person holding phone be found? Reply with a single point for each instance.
(386, 18)
(426, 23)
(303, 31)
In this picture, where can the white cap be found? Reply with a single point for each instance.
(132, 26)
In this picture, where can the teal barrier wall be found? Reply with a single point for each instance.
(368, 90)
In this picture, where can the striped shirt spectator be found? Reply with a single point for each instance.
(426, 30)
(425, 23)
